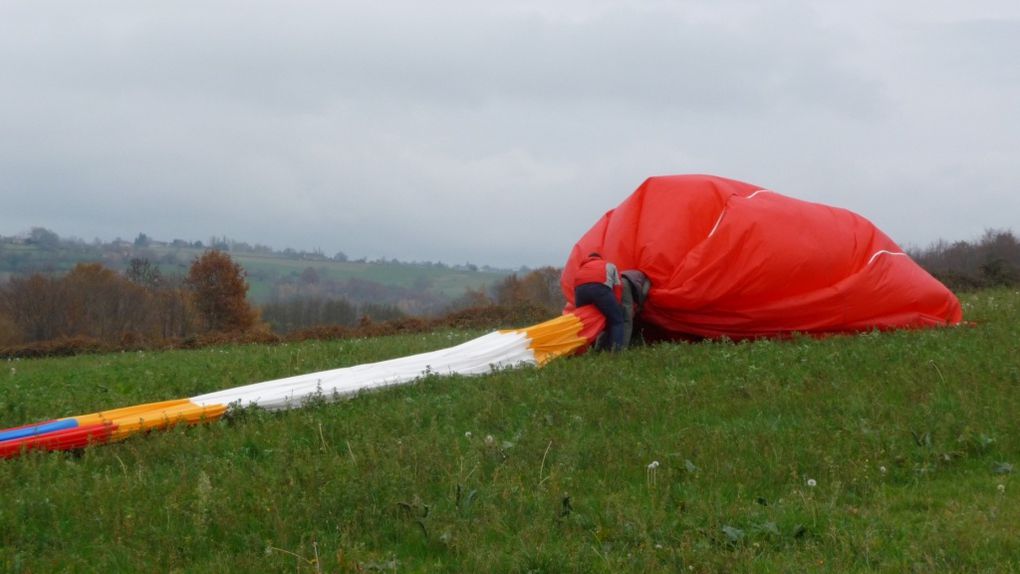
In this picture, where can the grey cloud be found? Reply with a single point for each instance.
(496, 134)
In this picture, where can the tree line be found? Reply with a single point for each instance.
(312, 302)
(141, 304)
(378, 287)
(993, 260)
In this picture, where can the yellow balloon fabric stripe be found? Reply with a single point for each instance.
(555, 338)
(152, 416)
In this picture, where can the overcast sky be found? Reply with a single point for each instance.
(496, 132)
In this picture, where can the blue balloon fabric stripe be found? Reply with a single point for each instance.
(37, 429)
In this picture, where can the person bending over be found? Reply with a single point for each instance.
(597, 282)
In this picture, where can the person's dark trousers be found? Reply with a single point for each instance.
(602, 297)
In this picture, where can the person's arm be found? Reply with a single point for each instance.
(613, 280)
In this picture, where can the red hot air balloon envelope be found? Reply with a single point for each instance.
(727, 258)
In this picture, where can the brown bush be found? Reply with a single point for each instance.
(539, 288)
(484, 317)
(35, 305)
(60, 347)
(221, 293)
(9, 333)
(101, 304)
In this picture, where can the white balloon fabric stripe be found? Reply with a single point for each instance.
(482, 355)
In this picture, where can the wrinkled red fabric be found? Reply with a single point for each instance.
(727, 258)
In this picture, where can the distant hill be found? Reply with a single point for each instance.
(416, 287)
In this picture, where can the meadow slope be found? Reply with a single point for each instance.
(888, 452)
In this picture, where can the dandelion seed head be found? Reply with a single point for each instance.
(1001, 488)
(467, 434)
(490, 440)
(653, 465)
(882, 469)
(812, 482)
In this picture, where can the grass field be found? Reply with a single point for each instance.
(886, 452)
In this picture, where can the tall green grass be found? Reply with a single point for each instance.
(887, 452)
